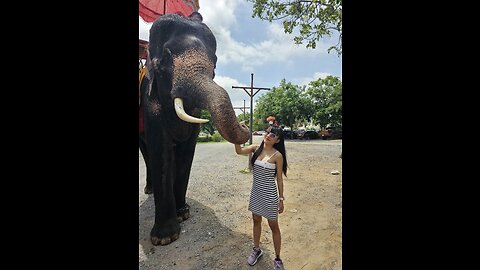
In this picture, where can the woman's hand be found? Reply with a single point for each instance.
(280, 207)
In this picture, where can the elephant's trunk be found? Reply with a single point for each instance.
(220, 106)
(194, 71)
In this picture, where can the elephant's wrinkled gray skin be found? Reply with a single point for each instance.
(181, 62)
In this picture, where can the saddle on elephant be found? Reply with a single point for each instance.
(142, 72)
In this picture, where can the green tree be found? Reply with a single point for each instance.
(208, 127)
(326, 97)
(287, 103)
(244, 117)
(257, 123)
(315, 19)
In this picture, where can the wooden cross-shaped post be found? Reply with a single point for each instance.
(251, 94)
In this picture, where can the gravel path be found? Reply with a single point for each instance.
(218, 233)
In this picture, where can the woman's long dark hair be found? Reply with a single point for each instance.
(280, 146)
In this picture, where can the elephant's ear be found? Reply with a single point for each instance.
(166, 63)
(150, 74)
(161, 66)
(195, 16)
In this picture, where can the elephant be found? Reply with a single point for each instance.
(178, 84)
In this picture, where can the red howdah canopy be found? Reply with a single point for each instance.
(150, 10)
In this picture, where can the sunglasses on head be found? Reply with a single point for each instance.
(270, 134)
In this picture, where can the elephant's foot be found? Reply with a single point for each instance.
(165, 234)
(183, 213)
(148, 190)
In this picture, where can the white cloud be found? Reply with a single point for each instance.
(259, 46)
(219, 12)
(314, 77)
(277, 47)
(225, 82)
(214, 12)
(238, 97)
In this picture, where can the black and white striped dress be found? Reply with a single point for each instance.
(264, 195)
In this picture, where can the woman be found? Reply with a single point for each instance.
(269, 162)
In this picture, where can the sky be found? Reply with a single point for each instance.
(247, 45)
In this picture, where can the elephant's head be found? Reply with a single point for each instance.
(181, 66)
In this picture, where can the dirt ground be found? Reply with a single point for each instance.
(218, 235)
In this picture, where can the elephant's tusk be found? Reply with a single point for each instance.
(178, 103)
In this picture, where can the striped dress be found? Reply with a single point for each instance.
(264, 195)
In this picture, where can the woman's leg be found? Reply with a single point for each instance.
(257, 229)
(277, 237)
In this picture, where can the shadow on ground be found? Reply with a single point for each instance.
(204, 243)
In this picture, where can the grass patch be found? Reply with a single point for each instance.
(245, 171)
(216, 137)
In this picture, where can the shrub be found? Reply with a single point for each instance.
(216, 137)
(204, 139)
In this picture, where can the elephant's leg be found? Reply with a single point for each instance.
(143, 148)
(162, 165)
(184, 153)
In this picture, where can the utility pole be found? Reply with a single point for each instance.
(243, 109)
(250, 125)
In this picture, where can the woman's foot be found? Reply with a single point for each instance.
(256, 253)
(278, 264)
